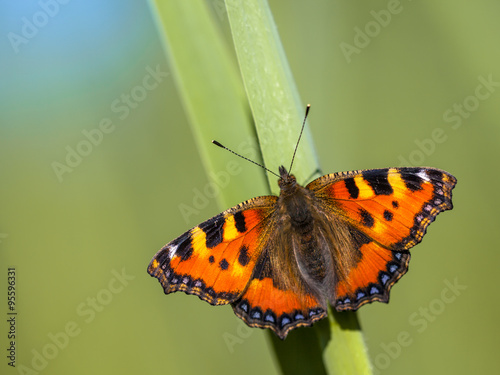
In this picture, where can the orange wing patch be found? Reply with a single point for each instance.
(215, 260)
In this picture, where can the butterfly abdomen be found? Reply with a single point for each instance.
(311, 257)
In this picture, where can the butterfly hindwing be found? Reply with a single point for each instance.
(371, 280)
(388, 212)
(277, 297)
(216, 259)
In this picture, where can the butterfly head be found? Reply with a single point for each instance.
(287, 181)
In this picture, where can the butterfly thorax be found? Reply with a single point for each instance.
(295, 202)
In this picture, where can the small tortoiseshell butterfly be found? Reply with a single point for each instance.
(343, 239)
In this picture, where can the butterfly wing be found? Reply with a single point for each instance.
(216, 259)
(386, 211)
(246, 256)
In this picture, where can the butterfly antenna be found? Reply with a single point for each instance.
(241, 156)
(300, 136)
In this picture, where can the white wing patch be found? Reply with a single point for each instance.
(172, 250)
(423, 175)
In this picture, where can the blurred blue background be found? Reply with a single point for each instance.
(96, 159)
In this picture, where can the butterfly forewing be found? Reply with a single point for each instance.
(216, 259)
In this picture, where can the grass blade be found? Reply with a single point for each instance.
(212, 93)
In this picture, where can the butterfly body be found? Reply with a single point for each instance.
(279, 261)
(310, 238)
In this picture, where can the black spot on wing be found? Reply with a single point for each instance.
(377, 179)
(184, 247)
(395, 204)
(187, 253)
(213, 229)
(388, 215)
(411, 178)
(434, 174)
(211, 259)
(239, 222)
(263, 269)
(367, 218)
(353, 190)
(360, 237)
(243, 258)
(224, 265)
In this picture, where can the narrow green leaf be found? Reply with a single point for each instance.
(212, 93)
(272, 94)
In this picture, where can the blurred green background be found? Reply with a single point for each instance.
(83, 210)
